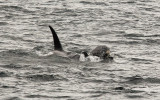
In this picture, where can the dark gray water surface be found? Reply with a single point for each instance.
(131, 28)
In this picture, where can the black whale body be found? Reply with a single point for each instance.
(100, 51)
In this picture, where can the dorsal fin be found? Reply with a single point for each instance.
(57, 43)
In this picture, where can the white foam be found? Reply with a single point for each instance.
(89, 58)
(82, 57)
(42, 54)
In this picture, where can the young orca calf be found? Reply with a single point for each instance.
(103, 52)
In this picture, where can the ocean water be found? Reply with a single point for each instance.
(29, 71)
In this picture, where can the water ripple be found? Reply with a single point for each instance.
(14, 8)
(29, 69)
(45, 77)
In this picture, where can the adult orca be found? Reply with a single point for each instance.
(58, 49)
(103, 52)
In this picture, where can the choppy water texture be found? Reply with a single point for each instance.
(28, 70)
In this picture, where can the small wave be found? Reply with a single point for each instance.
(17, 52)
(138, 79)
(66, 12)
(12, 98)
(130, 2)
(45, 77)
(152, 41)
(7, 86)
(129, 90)
(139, 39)
(38, 96)
(77, 35)
(85, 2)
(3, 23)
(153, 80)
(145, 60)
(135, 79)
(14, 66)
(15, 8)
(16, 38)
(45, 96)
(60, 97)
(12, 37)
(4, 74)
(155, 35)
(122, 42)
(94, 3)
(139, 60)
(124, 2)
(38, 48)
(119, 88)
(135, 96)
(134, 35)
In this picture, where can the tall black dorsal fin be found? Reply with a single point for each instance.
(57, 43)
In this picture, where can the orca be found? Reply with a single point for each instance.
(58, 49)
(103, 52)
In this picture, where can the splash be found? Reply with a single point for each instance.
(89, 58)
